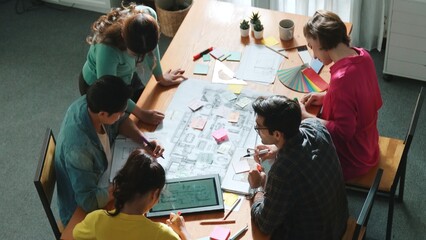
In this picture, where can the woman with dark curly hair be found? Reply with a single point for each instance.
(136, 190)
(121, 40)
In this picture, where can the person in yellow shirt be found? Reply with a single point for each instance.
(136, 189)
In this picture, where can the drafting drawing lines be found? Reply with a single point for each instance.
(195, 152)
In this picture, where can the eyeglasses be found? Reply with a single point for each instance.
(256, 128)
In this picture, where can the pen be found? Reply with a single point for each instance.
(150, 145)
(175, 217)
(261, 152)
(197, 56)
(216, 222)
(237, 234)
(232, 208)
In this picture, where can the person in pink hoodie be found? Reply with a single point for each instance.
(350, 105)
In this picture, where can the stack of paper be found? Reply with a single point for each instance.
(302, 79)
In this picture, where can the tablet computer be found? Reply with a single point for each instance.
(189, 195)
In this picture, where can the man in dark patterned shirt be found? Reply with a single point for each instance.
(304, 194)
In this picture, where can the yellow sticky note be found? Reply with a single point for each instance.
(235, 88)
(229, 199)
(270, 41)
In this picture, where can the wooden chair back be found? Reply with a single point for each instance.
(45, 179)
(356, 229)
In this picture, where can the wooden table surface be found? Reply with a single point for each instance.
(213, 23)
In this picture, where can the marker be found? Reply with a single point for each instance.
(175, 217)
(198, 56)
(261, 152)
(150, 145)
(237, 234)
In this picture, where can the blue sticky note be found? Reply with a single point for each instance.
(201, 69)
(235, 56)
(206, 57)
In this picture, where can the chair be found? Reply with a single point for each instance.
(45, 179)
(356, 228)
(393, 161)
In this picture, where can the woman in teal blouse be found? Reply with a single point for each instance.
(122, 40)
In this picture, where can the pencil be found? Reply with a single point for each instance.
(232, 208)
(220, 221)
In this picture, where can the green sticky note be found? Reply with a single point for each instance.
(225, 56)
(201, 69)
(206, 57)
(235, 56)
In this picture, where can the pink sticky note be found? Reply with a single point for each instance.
(220, 135)
(220, 233)
(198, 123)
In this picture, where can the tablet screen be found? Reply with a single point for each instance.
(193, 194)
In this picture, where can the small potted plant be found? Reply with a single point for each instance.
(244, 28)
(254, 18)
(258, 30)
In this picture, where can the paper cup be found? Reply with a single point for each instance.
(286, 29)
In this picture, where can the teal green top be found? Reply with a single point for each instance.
(103, 60)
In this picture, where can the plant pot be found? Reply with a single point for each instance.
(258, 34)
(171, 14)
(245, 32)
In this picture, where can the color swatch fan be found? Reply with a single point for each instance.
(302, 79)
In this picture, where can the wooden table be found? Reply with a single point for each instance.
(213, 23)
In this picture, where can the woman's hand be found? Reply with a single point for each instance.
(178, 225)
(315, 99)
(172, 77)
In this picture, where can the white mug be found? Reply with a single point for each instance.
(286, 29)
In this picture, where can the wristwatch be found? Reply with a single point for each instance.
(253, 192)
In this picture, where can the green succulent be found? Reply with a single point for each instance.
(258, 26)
(244, 25)
(254, 18)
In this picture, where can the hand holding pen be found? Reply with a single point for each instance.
(157, 149)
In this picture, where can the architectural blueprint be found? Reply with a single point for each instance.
(192, 151)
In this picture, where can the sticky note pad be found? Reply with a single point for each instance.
(220, 233)
(220, 135)
(270, 41)
(235, 88)
(224, 56)
(206, 57)
(198, 123)
(216, 53)
(235, 56)
(233, 117)
(201, 69)
(195, 104)
(242, 102)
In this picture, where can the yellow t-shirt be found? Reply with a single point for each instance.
(98, 225)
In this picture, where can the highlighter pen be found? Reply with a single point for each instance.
(202, 53)
(261, 152)
(150, 145)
